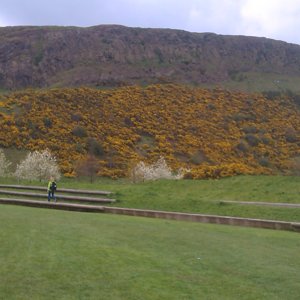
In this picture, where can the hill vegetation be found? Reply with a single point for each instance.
(112, 55)
(214, 133)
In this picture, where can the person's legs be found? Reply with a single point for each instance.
(49, 196)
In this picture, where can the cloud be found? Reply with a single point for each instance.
(213, 16)
(278, 19)
(2, 22)
(5, 22)
(275, 19)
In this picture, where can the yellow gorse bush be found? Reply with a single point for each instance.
(214, 133)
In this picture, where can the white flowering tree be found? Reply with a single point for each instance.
(157, 170)
(38, 166)
(4, 164)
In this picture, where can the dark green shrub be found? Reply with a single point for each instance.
(249, 129)
(264, 162)
(252, 139)
(79, 131)
(242, 147)
(76, 117)
(47, 122)
(291, 135)
(94, 147)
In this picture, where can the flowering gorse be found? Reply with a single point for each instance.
(38, 165)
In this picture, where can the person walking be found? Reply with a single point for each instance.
(51, 189)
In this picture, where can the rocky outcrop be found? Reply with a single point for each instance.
(111, 55)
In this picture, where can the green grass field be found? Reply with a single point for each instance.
(203, 196)
(250, 82)
(49, 254)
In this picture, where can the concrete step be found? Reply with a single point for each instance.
(58, 196)
(61, 190)
(52, 205)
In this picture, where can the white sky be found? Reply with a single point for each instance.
(277, 19)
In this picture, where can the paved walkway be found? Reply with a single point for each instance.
(292, 205)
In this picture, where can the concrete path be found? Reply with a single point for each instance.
(292, 205)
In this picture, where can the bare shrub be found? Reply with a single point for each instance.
(88, 167)
(295, 166)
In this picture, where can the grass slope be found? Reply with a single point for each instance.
(48, 254)
(260, 82)
(202, 196)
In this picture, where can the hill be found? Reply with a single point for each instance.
(112, 55)
(215, 133)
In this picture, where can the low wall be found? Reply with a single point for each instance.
(53, 205)
(61, 190)
(224, 220)
(270, 224)
(59, 197)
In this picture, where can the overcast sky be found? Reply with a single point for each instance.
(277, 19)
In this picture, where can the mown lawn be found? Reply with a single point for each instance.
(49, 254)
(204, 196)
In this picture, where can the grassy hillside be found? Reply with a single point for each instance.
(214, 133)
(48, 254)
(250, 82)
(201, 196)
(206, 196)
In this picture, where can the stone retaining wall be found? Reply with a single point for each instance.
(53, 205)
(259, 223)
(61, 190)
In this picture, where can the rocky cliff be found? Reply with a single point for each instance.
(111, 55)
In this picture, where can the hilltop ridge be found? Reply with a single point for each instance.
(113, 55)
